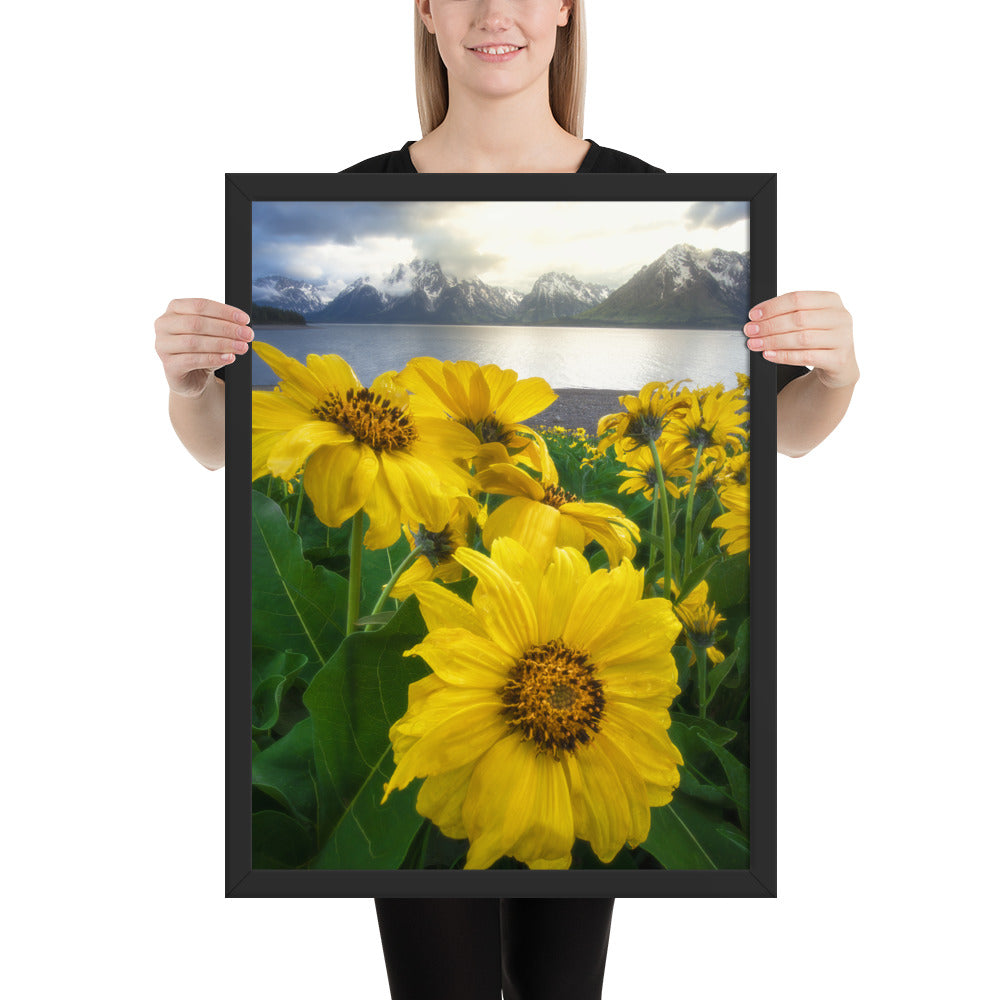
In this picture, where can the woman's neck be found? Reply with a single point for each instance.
(516, 134)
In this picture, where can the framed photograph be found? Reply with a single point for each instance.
(499, 622)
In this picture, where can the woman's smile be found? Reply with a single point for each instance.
(496, 53)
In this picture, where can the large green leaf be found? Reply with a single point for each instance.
(273, 673)
(295, 606)
(369, 835)
(686, 833)
(738, 776)
(353, 700)
(284, 771)
(672, 843)
(728, 581)
(278, 841)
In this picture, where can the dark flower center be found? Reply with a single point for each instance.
(644, 428)
(489, 430)
(556, 497)
(699, 436)
(369, 417)
(554, 698)
(437, 545)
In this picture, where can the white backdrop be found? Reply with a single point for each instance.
(125, 119)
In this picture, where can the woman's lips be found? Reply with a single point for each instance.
(500, 56)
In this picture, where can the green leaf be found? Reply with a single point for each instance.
(717, 674)
(272, 673)
(295, 606)
(688, 834)
(673, 843)
(697, 574)
(712, 731)
(703, 514)
(728, 580)
(738, 776)
(369, 835)
(278, 841)
(353, 700)
(382, 618)
(284, 771)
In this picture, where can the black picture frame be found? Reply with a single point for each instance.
(759, 190)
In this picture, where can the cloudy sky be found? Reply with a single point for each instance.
(503, 242)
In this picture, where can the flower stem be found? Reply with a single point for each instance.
(699, 655)
(397, 573)
(668, 545)
(692, 489)
(298, 510)
(354, 580)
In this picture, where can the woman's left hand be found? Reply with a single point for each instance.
(806, 328)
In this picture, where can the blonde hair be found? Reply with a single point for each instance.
(567, 74)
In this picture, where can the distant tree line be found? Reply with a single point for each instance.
(270, 314)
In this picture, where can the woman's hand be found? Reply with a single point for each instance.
(806, 328)
(194, 337)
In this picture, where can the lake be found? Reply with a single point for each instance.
(565, 356)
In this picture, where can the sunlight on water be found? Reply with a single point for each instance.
(577, 357)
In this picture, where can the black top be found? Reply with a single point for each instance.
(599, 160)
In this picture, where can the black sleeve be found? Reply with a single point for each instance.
(788, 372)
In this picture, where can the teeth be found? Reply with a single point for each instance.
(499, 50)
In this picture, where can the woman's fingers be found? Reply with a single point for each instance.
(806, 328)
(208, 308)
(186, 343)
(195, 337)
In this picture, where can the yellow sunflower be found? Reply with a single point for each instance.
(437, 559)
(711, 421)
(492, 402)
(362, 448)
(736, 471)
(546, 715)
(643, 419)
(700, 620)
(675, 459)
(710, 472)
(736, 520)
(540, 514)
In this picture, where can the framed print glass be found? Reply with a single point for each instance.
(499, 621)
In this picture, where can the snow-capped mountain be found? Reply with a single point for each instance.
(419, 292)
(288, 293)
(684, 286)
(555, 294)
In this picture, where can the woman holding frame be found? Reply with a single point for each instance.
(500, 89)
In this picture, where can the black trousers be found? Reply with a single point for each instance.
(468, 949)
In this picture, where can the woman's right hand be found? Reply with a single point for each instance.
(194, 337)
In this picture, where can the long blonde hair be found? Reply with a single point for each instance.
(567, 74)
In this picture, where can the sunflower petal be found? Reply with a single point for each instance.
(440, 608)
(411, 483)
(460, 657)
(440, 799)
(526, 399)
(289, 455)
(600, 806)
(502, 604)
(271, 411)
(517, 803)
(459, 739)
(338, 481)
(603, 599)
(297, 380)
(562, 581)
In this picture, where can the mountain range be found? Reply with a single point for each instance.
(683, 287)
